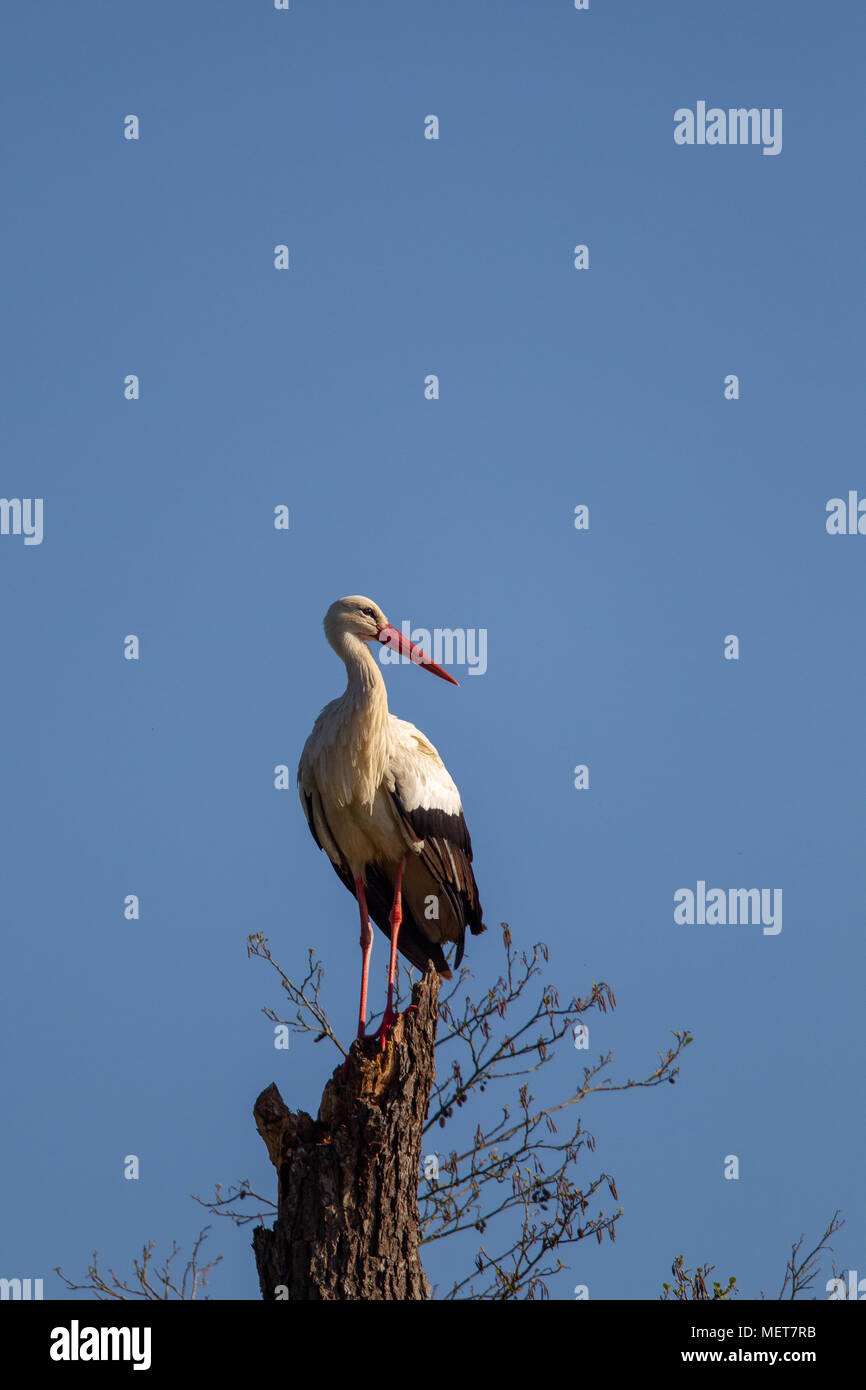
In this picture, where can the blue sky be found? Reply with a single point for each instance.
(558, 387)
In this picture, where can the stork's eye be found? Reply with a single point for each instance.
(368, 613)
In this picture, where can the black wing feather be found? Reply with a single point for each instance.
(447, 856)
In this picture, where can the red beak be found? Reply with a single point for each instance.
(390, 637)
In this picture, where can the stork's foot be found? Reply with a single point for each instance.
(389, 1018)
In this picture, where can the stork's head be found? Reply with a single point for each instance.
(363, 619)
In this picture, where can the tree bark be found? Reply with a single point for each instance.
(347, 1208)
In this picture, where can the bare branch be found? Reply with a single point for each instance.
(220, 1205)
(310, 1016)
(800, 1273)
(149, 1283)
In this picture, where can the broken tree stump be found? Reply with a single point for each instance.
(347, 1206)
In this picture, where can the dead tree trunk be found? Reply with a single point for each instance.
(347, 1209)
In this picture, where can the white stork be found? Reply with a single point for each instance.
(381, 804)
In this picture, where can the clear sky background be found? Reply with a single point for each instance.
(605, 647)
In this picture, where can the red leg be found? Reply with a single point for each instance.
(395, 918)
(367, 948)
